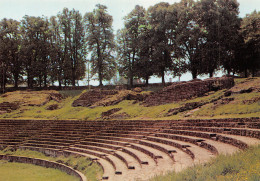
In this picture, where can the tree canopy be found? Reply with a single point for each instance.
(199, 37)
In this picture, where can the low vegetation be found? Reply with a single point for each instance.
(243, 105)
(28, 172)
(91, 170)
(244, 165)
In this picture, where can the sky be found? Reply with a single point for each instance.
(16, 9)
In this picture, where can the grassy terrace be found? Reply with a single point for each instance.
(28, 172)
(244, 165)
(91, 170)
(237, 108)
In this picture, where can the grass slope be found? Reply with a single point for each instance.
(91, 170)
(28, 172)
(237, 108)
(244, 165)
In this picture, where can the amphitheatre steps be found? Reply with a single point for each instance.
(124, 147)
(216, 137)
(108, 168)
(130, 143)
(127, 154)
(130, 150)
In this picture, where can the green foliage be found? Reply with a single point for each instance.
(244, 165)
(100, 41)
(250, 52)
(129, 44)
(28, 172)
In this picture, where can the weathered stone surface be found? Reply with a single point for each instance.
(6, 107)
(252, 101)
(91, 97)
(119, 116)
(110, 112)
(138, 89)
(187, 90)
(52, 107)
(187, 106)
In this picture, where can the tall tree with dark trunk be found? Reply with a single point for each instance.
(134, 25)
(30, 28)
(190, 37)
(56, 52)
(100, 41)
(250, 31)
(161, 51)
(73, 33)
(220, 20)
(11, 49)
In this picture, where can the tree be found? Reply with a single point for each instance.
(73, 44)
(144, 67)
(100, 41)
(161, 49)
(35, 47)
(10, 50)
(129, 42)
(219, 24)
(57, 54)
(174, 19)
(190, 39)
(250, 32)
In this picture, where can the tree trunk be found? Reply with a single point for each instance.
(59, 84)
(29, 80)
(246, 73)
(163, 80)
(253, 72)
(194, 74)
(16, 80)
(131, 79)
(73, 73)
(73, 78)
(131, 70)
(100, 79)
(3, 80)
(45, 80)
(211, 74)
(100, 75)
(228, 72)
(146, 80)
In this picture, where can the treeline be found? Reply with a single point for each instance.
(200, 37)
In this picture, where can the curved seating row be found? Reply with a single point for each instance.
(130, 146)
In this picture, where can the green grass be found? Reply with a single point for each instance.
(28, 172)
(244, 165)
(70, 93)
(236, 108)
(91, 170)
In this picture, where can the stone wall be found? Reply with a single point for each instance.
(91, 97)
(187, 90)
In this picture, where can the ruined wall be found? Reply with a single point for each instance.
(90, 97)
(187, 90)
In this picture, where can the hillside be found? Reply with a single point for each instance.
(242, 100)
